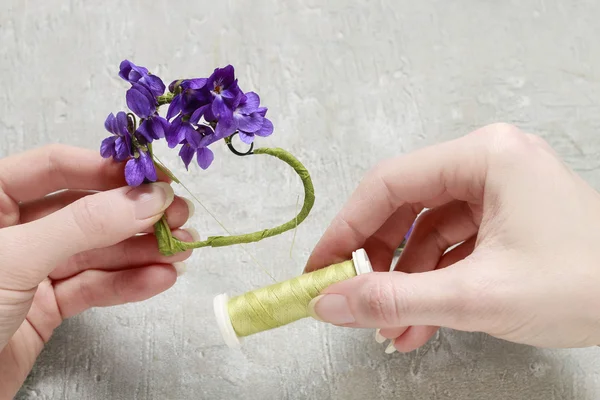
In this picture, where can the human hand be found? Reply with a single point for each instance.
(66, 252)
(527, 265)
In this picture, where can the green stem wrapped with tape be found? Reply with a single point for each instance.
(169, 245)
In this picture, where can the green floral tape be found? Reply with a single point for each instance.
(168, 245)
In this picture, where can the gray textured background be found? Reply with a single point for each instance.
(347, 83)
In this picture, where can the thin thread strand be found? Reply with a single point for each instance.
(309, 200)
(214, 217)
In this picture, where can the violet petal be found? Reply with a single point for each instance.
(196, 83)
(208, 115)
(245, 137)
(134, 172)
(225, 128)
(186, 153)
(122, 149)
(121, 124)
(148, 166)
(107, 148)
(193, 137)
(248, 123)
(154, 84)
(262, 111)
(195, 118)
(131, 72)
(232, 94)
(225, 74)
(174, 107)
(109, 123)
(205, 157)
(139, 103)
(219, 108)
(266, 129)
(159, 126)
(251, 104)
(145, 129)
(208, 140)
(176, 133)
(205, 130)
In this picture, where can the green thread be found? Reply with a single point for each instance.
(165, 170)
(285, 302)
(168, 245)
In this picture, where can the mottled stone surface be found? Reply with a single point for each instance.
(347, 83)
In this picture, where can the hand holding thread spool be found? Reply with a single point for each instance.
(281, 303)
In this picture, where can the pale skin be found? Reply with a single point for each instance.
(525, 268)
(527, 265)
(80, 248)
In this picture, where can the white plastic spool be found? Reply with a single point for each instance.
(362, 265)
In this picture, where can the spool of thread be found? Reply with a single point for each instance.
(281, 303)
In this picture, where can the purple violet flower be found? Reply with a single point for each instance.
(190, 99)
(249, 119)
(178, 132)
(131, 72)
(196, 143)
(217, 99)
(140, 168)
(224, 90)
(153, 128)
(118, 145)
(141, 101)
(136, 74)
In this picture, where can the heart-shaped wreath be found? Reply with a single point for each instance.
(201, 111)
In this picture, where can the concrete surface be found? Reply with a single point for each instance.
(347, 83)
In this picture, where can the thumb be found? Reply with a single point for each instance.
(393, 299)
(31, 251)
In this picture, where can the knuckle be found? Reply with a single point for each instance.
(377, 182)
(380, 168)
(502, 129)
(86, 294)
(54, 150)
(54, 155)
(507, 145)
(9, 210)
(381, 171)
(505, 137)
(383, 302)
(91, 216)
(78, 262)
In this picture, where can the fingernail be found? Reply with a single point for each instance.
(378, 338)
(390, 349)
(332, 308)
(180, 268)
(191, 207)
(152, 199)
(193, 233)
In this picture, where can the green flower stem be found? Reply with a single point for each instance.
(168, 245)
(165, 99)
